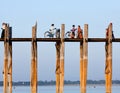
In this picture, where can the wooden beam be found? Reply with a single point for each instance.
(34, 61)
(85, 60)
(62, 59)
(6, 51)
(57, 67)
(58, 40)
(108, 65)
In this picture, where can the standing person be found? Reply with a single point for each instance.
(52, 30)
(73, 31)
(80, 32)
(3, 30)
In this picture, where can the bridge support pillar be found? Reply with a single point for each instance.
(84, 60)
(34, 61)
(7, 72)
(108, 63)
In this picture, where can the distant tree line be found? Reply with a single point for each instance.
(66, 82)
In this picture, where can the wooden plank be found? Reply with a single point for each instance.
(34, 61)
(96, 39)
(89, 40)
(57, 67)
(62, 59)
(72, 40)
(58, 39)
(6, 51)
(108, 66)
(85, 59)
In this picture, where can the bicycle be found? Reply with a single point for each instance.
(48, 34)
(68, 34)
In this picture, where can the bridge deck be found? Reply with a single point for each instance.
(58, 39)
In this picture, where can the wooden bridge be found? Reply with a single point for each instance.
(7, 72)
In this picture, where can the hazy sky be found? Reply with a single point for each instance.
(22, 15)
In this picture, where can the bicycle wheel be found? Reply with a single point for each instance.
(47, 34)
(67, 34)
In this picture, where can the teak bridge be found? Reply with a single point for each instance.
(60, 44)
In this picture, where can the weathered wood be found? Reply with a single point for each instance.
(10, 61)
(6, 51)
(57, 67)
(108, 66)
(58, 40)
(10, 68)
(89, 40)
(85, 60)
(34, 61)
(81, 64)
(62, 59)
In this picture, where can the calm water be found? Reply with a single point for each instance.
(67, 89)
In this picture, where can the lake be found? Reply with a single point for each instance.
(67, 89)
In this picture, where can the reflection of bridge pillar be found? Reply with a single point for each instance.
(108, 64)
(62, 59)
(34, 61)
(84, 63)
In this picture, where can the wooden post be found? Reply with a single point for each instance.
(108, 66)
(81, 64)
(85, 60)
(10, 61)
(57, 67)
(34, 61)
(62, 59)
(6, 51)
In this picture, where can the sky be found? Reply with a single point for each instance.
(23, 14)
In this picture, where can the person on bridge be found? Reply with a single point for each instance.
(52, 30)
(73, 31)
(3, 30)
(80, 32)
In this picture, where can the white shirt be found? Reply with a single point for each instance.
(52, 29)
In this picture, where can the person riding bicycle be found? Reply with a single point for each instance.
(73, 31)
(52, 30)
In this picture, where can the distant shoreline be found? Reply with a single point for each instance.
(88, 85)
(66, 83)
